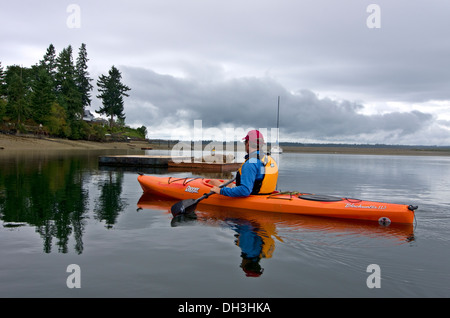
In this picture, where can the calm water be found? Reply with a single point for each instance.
(58, 210)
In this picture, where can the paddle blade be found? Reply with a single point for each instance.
(183, 219)
(184, 207)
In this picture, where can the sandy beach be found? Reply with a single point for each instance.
(12, 143)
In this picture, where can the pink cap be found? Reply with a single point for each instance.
(254, 136)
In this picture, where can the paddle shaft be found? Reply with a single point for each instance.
(189, 205)
(206, 195)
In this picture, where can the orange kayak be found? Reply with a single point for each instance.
(282, 202)
(268, 223)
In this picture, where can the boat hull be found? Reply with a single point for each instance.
(293, 203)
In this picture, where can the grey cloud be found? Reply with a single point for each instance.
(252, 102)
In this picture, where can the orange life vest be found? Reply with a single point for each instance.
(269, 183)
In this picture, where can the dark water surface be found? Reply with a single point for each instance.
(63, 209)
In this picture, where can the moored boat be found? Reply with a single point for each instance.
(276, 150)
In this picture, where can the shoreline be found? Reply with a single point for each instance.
(12, 143)
(386, 151)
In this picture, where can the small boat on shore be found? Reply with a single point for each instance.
(276, 150)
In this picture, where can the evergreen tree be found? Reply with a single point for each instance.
(82, 77)
(3, 88)
(111, 93)
(54, 92)
(42, 95)
(49, 63)
(17, 106)
(2, 82)
(69, 96)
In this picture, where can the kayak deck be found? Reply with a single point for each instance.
(282, 202)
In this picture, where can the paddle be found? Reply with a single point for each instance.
(188, 206)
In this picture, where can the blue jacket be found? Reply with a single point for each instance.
(251, 171)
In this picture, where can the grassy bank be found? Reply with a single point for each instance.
(10, 143)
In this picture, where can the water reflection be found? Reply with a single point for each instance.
(256, 233)
(50, 193)
(110, 202)
(255, 244)
(57, 193)
(255, 240)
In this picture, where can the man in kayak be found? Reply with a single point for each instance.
(257, 175)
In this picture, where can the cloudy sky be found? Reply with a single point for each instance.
(345, 70)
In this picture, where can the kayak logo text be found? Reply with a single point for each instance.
(192, 189)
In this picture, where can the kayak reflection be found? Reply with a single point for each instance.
(255, 240)
(255, 243)
(256, 232)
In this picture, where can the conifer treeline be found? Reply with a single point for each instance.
(55, 92)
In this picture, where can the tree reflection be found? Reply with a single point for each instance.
(51, 193)
(48, 194)
(110, 203)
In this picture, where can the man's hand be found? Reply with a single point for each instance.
(216, 190)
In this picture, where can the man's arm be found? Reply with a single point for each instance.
(248, 177)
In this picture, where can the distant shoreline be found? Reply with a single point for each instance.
(392, 151)
(339, 148)
(13, 143)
